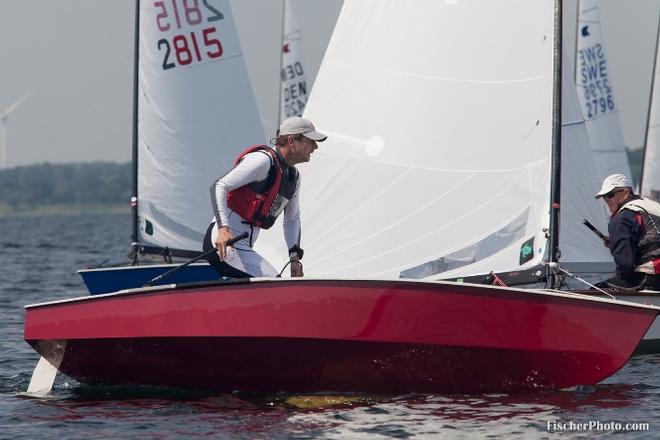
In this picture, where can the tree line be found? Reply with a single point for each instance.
(98, 183)
(36, 186)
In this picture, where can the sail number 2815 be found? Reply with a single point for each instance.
(187, 47)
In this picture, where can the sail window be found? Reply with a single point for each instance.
(488, 246)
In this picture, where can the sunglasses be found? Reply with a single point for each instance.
(610, 194)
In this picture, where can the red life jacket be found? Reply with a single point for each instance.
(253, 206)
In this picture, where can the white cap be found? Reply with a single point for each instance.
(297, 125)
(612, 182)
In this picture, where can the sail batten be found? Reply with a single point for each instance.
(380, 70)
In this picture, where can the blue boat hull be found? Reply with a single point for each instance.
(112, 279)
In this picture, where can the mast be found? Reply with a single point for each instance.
(555, 171)
(134, 195)
(279, 100)
(648, 114)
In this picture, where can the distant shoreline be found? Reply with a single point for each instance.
(52, 189)
(66, 209)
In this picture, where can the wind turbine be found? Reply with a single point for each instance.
(3, 128)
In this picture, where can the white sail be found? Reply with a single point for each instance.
(596, 94)
(293, 76)
(651, 170)
(438, 160)
(196, 112)
(580, 180)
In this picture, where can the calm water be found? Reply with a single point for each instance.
(38, 259)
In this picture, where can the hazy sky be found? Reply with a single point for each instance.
(77, 58)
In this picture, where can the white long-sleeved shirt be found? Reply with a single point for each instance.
(254, 167)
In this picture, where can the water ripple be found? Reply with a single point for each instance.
(80, 412)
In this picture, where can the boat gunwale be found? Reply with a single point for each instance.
(147, 265)
(168, 288)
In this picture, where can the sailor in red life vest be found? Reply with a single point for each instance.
(263, 183)
(634, 236)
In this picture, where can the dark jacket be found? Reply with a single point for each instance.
(635, 237)
(625, 233)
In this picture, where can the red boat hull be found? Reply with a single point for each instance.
(340, 336)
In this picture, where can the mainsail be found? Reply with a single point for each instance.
(293, 75)
(596, 94)
(196, 112)
(650, 180)
(438, 161)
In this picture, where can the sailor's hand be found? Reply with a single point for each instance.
(221, 242)
(296, 268)
(606, 241)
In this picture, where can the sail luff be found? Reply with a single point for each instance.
(651, 155)
(577, 37)
(555, 173)
(134, 167)
(281, 73)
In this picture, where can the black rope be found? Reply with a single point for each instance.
(279, 275)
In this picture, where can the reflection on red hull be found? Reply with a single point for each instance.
(338, 335)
